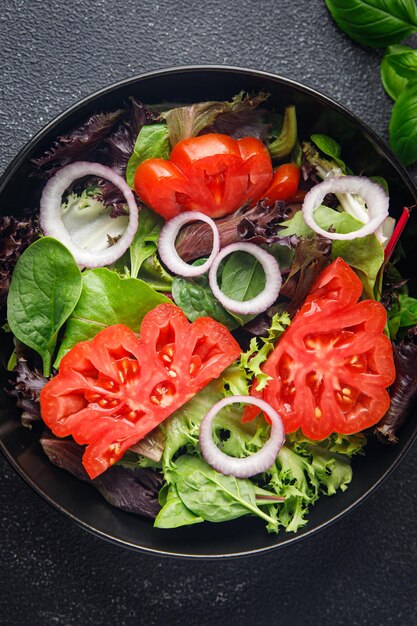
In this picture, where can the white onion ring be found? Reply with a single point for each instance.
(168, 252)
(52, 224)
(273, 282)
(250, 465)
(375, 197)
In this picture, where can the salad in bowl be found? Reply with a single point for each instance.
(205, 311)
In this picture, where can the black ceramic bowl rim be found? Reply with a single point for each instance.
(245, 72)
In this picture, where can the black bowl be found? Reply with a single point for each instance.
(365, 152)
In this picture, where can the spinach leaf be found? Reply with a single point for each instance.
(404, 63)
(242, 277)
(107, 299)
(46, 285)
(375, 23)
(403, 125)
(331, 148)
(196, 299)
(152, 142)
(174, 513)
(214, 496)
(392, 82)
(145, 241)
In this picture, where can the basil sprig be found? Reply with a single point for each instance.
(375, 23)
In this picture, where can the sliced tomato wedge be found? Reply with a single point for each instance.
(114, 389)
(213, 173)
(330, 370)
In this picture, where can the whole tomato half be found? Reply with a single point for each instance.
(330, 369)
(114, 389)
(214, 174)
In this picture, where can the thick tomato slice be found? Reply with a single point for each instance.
(113, 390)
(212, 173)
(330, 370)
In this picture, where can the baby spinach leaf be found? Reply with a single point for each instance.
(392, 82)
(403, 125)
(152, 142)
(174, 513)
(331, 148)
(107, 299)
(364, 254)
(145, 241)
(214, 496)
(375, 23)
(45, 288)
(196, 299)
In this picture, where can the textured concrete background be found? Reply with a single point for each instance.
(361, 570)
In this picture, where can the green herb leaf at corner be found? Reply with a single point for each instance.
(151, 143)
(45, 288)
(174, 513)
(393, 84)
(376, 23)
(403, 125)
(107, 299)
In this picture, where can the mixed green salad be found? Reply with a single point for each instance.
(204, 314)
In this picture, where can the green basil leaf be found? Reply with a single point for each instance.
(391, 81)
(151, 143)
(45, 288)
(375, 23)
(404, 63)
(214, 496)
(107, 299)
(403, 125)
(145, 241)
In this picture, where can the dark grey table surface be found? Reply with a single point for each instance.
(361, 570)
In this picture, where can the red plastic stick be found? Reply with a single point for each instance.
(396, 234)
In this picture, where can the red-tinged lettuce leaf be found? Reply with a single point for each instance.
(404, 390)
(132, 490)
(15, 236)
(312, 255)
(257, 224)
(25, 390)
(80, 144)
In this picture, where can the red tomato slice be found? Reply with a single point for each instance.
(285, 183)
(330, 370)
(212, 173)
(113, 390)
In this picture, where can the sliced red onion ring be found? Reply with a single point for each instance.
(52, 224)
(168, 252)
(273, 281)
(375, 197)
(250, 465)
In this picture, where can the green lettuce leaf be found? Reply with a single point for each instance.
(145, 241)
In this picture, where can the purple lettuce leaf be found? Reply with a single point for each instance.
(26, 389)
(15, 236)
(404, 390)
(132, 490)
(312, 255)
